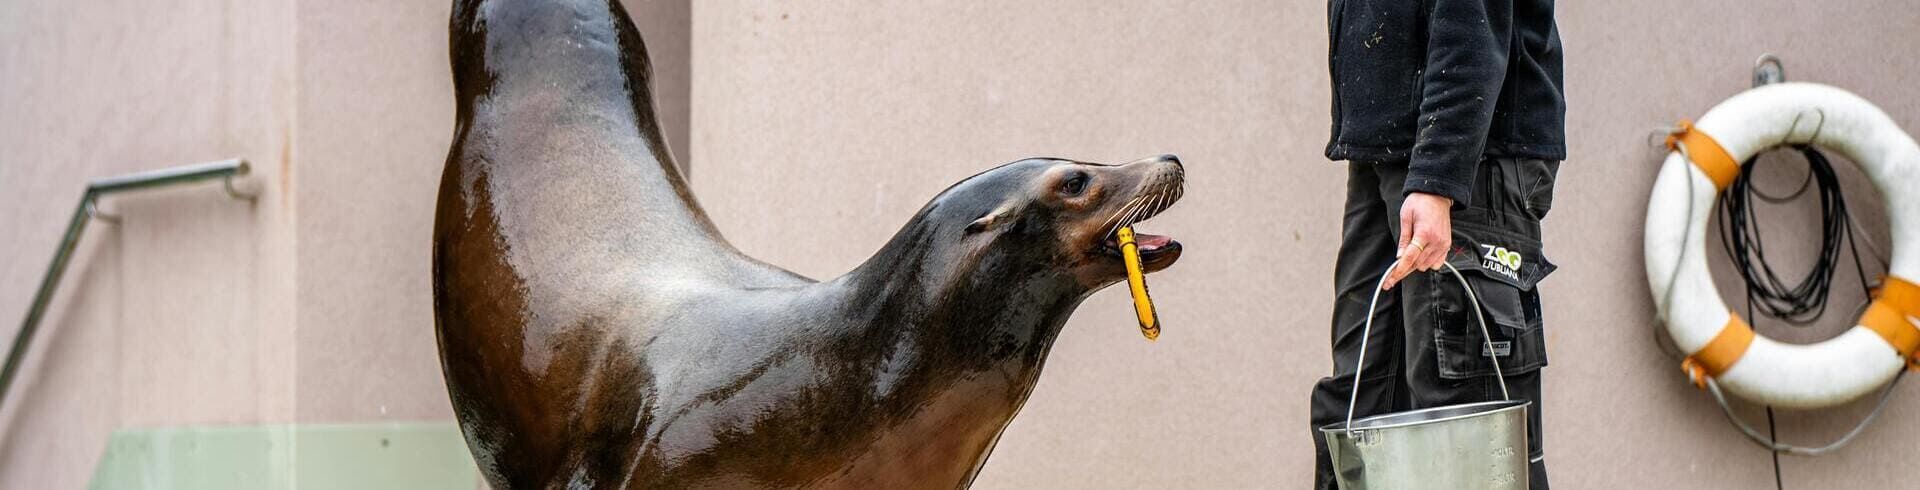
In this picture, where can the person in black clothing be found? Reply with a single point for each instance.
(1452, 118)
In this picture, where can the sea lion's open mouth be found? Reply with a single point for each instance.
(1156, 251)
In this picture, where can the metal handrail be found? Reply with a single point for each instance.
(224, 169)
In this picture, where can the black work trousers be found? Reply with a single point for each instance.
(1426, 350)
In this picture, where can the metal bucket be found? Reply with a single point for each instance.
(1473, 446)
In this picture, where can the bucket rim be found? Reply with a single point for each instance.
(1339, 427)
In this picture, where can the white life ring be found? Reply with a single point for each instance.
(1719, 343)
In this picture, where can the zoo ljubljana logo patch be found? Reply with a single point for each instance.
(1502, 261)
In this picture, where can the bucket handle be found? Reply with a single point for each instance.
(1366, 332)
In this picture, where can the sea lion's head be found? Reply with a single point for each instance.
(1047, 217)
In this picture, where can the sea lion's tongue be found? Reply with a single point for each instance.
(1150, 242)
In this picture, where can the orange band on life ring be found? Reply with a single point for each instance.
(1901, 294)
(1705, 153)
(1719, 354)
(1897, 300)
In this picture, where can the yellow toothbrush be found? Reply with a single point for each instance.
(1137, 283)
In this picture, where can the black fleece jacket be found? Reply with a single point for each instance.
(1440, 84)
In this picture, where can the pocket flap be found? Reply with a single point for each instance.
(1499, 255)
(1499, 300)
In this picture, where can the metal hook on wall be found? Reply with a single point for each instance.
(241, 171)
(1768, 70)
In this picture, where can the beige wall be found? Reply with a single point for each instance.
(820, 127)
(181, 314)
(816, 129)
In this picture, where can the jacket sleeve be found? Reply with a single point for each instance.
(1467, 49)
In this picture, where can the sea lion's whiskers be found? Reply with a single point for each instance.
(1147, 206)
(1178, 190)
(1160, 196)
(1123, 222)
(1156, 202)
(1131, 214)
(1116, 215)
(1134, 210)
(1156, 196)
(1146, 211)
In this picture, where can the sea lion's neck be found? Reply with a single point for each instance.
(949, 350)
(923, 296)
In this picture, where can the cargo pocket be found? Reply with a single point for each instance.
(1536, 183)
(1504, 270)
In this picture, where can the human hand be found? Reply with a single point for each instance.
(1426, 234)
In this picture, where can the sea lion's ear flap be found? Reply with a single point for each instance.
(991, 219)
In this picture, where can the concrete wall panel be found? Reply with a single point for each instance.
(375, 116)
(182, 312)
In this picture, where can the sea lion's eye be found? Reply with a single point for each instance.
(1075, 184)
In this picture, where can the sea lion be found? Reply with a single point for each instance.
(597, 332)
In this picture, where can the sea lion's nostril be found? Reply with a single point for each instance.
(1177, 168)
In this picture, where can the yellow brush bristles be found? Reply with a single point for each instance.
(1137, 283)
